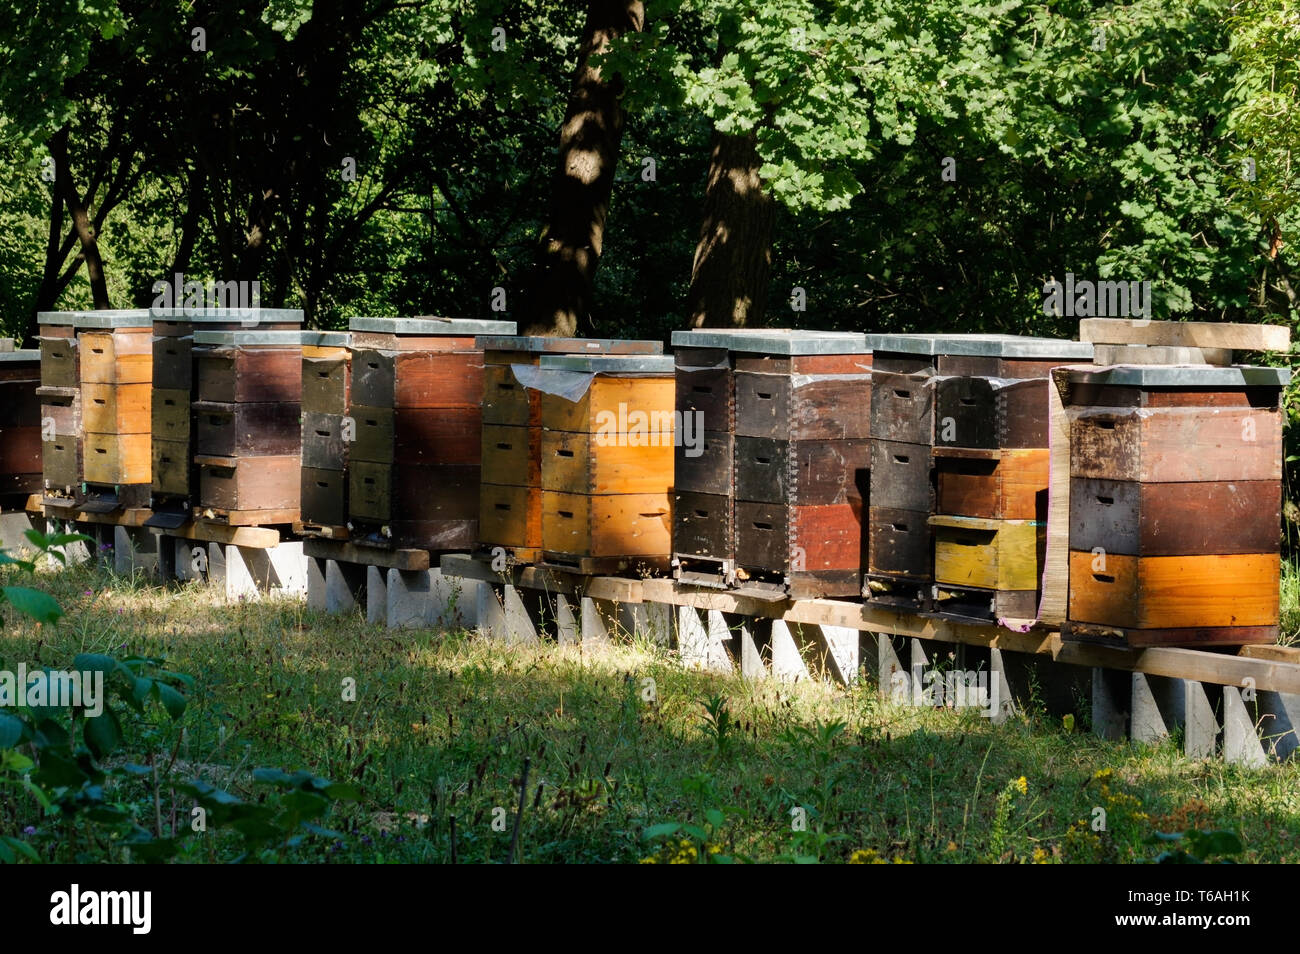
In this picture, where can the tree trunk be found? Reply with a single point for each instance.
(733, 260)
(571, 242)
(48, 293)
(80, 218)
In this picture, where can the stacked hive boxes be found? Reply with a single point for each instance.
(991, 468)
(60, 396)
(510, 501)
(704, 535)
(972, 375)
(801, 459)
(417, 396)
(248, 440)
(175, 476)
(1175, 504)
(20, 423)
(607, 460)
(96, 378)
(327, 430)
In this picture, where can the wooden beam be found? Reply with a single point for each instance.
(118, 518)
(256, 538)
(614, 589)
(1105, 354)
(342, 551)
(1185, 334)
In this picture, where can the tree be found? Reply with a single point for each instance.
(573, 239)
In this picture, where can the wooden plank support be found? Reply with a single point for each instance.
(611, 588)
(261, 538)
(342, 551)
(1185, 334)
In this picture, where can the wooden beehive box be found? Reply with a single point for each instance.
(752, 403)
(327, 431)
(510, 503)
(1174, 501)
(802, 459)
(248, 433)
(982, 554)
(416, 401)
(175, 379)
(111, 409)
(20, 422)
(608, 437)
(249, 367)
(958, 405)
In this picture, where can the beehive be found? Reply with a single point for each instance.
(1175, 499)
(510, 502)
(247, 437)
(176, 478)
(959, 431)
(416, 400)
(20, 422)
(607, 460)
(327, 430)
(772, 491)
(95, 412)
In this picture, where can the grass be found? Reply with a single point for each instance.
(621, 741)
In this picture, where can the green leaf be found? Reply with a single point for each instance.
(171, 700)
(103, 734)
(36, 604)
(342, 792)
(661, 830)
(271, 776)
(11, 730)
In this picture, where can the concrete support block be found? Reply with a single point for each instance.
(1280, 723)
(417, 598)
(918, 663)
(596, 620)
(888, 666)
(719, 655)
(13, 525)
(692, 638)
(649, 621)
(215, 567)
(752, 641)
(1158, 706)
(1200, 728)
(316, 583)
(287, 570)
(376, 596)
(1110, 703)
(409, 598)
(837, 651)
(135, 548)
(344, 583)
(241, 572)
(1006, 698)
(73, 553)
(787, 662)
(491, 614)
(1240, 738)
(567, 632)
